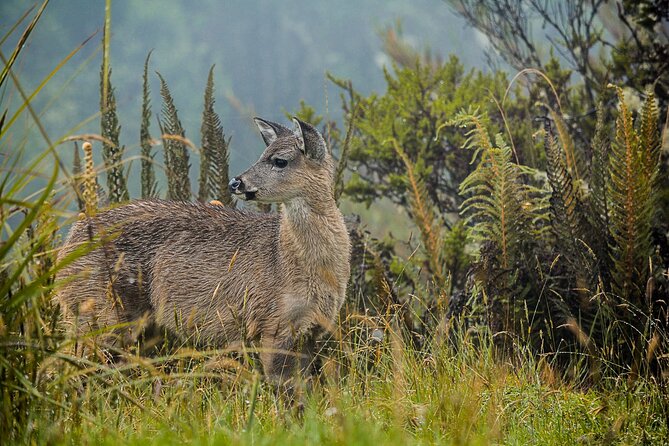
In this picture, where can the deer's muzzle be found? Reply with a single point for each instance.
(238, 187)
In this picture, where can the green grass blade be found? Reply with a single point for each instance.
(42, 84)
(21, 43)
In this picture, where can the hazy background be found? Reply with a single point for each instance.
(268, 55)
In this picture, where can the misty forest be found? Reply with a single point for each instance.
(502, 168)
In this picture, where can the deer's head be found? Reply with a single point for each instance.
(295, 164)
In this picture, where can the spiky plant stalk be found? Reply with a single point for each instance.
(422, 211)
(176, 155)
(571, 155)
(650, 138)
(90, 187)
(148, 176)
(112, 151)
(214, 161)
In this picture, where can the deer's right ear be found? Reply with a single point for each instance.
(270, 131)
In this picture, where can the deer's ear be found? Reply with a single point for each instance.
(310, 140)
(270, 131)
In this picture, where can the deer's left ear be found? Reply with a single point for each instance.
(310, 140)
(270, 131)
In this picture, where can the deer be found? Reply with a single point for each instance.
(221, 275)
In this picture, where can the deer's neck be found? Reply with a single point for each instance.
(313, 231)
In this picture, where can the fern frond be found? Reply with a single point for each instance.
(112, 154)
(632, 206)
(499, 206)
(423, 214)
(598, 197)
(572, 158)
(176, 155)
(77, 177)
(649, 133)
(214, 160)
(568, 218)
(148, 175)
(477, 136)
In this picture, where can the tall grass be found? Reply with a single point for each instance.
(368, 393)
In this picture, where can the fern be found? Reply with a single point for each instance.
(598, 197)
(650, 138)
(422, 211)
(112, 151)
(505, 217)
(176, 155)
(565, 198)
(633, 170)
(77, 173)
(568, 217)
(499, 206)
(148, 176)
(571, 155)
(214, 161)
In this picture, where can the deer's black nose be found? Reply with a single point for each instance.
(234, 185)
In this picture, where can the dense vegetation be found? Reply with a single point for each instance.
(530, 307)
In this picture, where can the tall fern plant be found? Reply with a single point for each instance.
(505, 214)
(214, 159)
(634, 165)
(112, 150)
(499, 205)
(177, 163)
(148, 175)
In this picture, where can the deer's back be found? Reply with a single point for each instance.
(195, 265)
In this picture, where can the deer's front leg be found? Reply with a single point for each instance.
(287, 354)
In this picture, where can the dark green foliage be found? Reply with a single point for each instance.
(566, 207)
(640, 57)
(176, 154)
(112, 151)
(214, 158)
(419, 101)
(148, 176)
(573, 236)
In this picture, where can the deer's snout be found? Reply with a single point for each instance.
(234, 185)
(237, 186)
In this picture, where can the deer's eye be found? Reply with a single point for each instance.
(279, 163)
